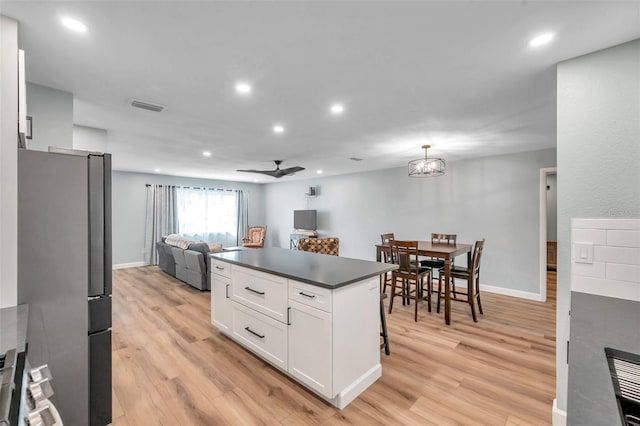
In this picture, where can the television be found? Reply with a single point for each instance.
(305, 219)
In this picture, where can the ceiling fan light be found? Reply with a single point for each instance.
(426, 167)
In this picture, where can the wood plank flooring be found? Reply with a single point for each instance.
(172, 367)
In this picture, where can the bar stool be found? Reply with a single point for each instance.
(383, 324)
(471, 274)
(409, 273)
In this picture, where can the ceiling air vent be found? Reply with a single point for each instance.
(146, 105)
(355, 159)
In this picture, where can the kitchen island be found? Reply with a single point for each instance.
(313, 316)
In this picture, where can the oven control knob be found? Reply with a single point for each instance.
(34, 419)
(38, 392)
(38, 418)
(47, 415)
(39, 373)
(34, 395)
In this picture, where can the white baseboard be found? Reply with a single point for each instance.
(558, 417)
(511, 292)
(128, 265)
(357, 387)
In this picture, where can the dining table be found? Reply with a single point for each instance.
(446, 252)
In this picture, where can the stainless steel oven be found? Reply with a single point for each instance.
(25, 393)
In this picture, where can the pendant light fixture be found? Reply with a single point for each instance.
(426, 167)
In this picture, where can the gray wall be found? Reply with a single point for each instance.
(90, 139)
(552, 207)
(129, 204)
(598, 158)
(52, 117)
(496, 198)
(8, 162)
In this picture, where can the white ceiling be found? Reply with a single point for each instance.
(457, 75)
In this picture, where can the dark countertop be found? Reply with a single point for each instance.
(316, 269)
(597, 322)
(13, 328)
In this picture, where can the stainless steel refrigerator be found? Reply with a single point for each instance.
(64, 274)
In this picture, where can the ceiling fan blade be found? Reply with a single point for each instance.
(277, 173)
(264, 172)
(292, 170)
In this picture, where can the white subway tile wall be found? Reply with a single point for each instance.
(615, 270)
(619, 238)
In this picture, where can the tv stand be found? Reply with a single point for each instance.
(295, 237)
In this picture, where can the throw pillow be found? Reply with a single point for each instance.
(177, 241)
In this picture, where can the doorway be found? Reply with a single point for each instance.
(548, 232)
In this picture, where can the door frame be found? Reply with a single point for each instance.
(544, 172)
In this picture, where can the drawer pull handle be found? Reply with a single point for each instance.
(261, 293)
(226, 291)
(310, 296)
(220, 268)
(254, 333)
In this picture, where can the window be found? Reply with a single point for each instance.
(210, 215)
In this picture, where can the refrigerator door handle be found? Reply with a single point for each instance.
(107, 224)
(96, 225)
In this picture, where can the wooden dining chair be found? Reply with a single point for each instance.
(386, 258)
(437, 264)
(472, 275)
(408, 274)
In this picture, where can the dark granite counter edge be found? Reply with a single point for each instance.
(389, 268)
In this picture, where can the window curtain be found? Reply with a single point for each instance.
(209, 215)
(161, 218)
(243, 216)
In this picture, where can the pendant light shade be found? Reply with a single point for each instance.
(426, 167)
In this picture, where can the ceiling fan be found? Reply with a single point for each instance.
(277, 173)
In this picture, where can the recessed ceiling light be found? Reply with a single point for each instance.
(74, 25)
(278, 128)
(540, 40)
(319, 172)
(336, 109)
(206, 153)
(157, 170)
(243, 88)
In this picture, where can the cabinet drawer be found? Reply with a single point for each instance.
(263, 292)
(261, 334)
(220, 268)
(310, 295)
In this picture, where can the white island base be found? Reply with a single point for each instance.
(327, 339)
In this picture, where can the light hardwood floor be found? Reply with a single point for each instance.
(172, 367)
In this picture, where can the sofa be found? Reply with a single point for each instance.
(190, 264)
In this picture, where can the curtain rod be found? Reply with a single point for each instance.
(195, 187)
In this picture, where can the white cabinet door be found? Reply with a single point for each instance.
(221, 315)
(310, 347)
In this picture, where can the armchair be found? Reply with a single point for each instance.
(255, 237)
